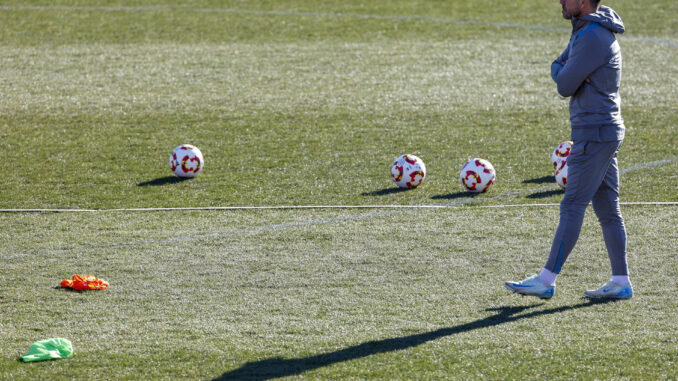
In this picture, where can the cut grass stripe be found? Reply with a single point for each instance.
(281, 226)
(321, 14)
(272, 227)
(454, 203)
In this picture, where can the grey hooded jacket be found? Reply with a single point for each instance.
(593, 53)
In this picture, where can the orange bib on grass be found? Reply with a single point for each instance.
(86, 282)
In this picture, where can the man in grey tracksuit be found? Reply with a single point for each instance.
(589, 72)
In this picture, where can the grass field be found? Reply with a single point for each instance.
(301, 103)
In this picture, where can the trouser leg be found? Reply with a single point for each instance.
(606, 206)
(567, 233)
(588, 164)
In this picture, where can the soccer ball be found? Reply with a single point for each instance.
(186, 161)
(408, 171)
(477, 175)
(561, 174)
(561, 153)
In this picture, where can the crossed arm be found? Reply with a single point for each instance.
(572, 68)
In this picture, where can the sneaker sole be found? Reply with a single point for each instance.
(519, 291)
(607, 297)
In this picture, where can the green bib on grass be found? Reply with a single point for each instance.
(48, 349)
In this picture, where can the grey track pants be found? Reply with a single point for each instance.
(593, 176)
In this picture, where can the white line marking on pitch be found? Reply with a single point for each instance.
(290, 207)
(319, 14)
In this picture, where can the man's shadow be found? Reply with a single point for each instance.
(281, 367)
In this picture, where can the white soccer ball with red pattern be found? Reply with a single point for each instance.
(561, 153)
(477, 175)
(186, 161)
(408, 171)
(561, 174)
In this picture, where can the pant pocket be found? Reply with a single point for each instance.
(578, 151)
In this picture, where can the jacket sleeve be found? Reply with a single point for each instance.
(558, 64)
(586, 55)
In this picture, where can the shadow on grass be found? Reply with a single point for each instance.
(281, 367)
(454, 196)
(163, 181)
(385, 191)
(68, 289)
(546, 194)
(541, 180)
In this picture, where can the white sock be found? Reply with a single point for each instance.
(548, 277)
(622, 280)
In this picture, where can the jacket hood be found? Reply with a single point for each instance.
(606, 17)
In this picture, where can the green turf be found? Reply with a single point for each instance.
(326, 295)
(295, 119)
(308, 103)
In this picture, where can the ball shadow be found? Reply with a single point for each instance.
(163, 181)
(546, 194)
(456, 195)
(385, 191)
(541, 180)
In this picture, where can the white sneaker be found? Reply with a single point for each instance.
(532, 286)
(611, 290)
